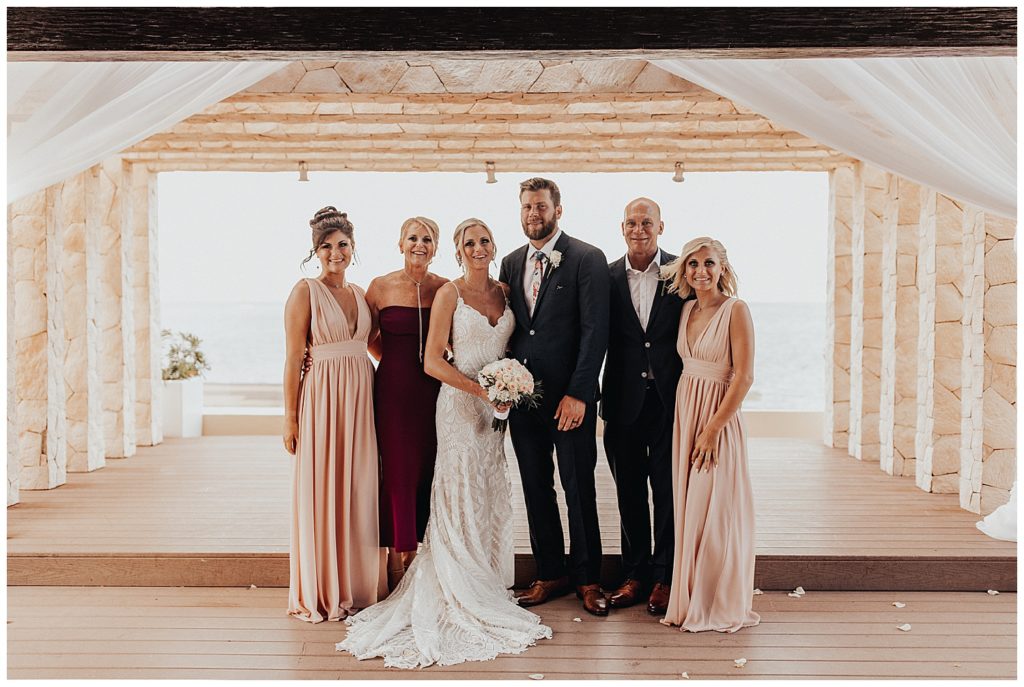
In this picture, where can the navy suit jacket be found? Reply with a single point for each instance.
(564, 341)
(633, 352)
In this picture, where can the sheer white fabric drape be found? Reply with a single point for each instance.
(64, 117)
(949, 123)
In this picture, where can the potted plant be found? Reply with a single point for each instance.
(182, 372)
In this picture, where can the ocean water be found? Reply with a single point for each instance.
(244, 344)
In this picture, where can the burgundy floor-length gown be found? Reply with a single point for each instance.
(713, 572)
(405, 398)
(336, 563)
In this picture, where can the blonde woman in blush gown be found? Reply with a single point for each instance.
(713, 572)
(336, 565)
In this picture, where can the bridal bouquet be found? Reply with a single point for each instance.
(508, 382)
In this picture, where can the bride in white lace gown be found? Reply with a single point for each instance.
(454, 603)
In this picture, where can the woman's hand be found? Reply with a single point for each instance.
(291, 435)
(502, 407)
(704, 455)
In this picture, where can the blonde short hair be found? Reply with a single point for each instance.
(427, 223)
(675, 272)
(461, 230)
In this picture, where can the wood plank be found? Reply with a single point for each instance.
(186, 508)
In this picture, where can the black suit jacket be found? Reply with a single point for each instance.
(632, 351)
(564, 342)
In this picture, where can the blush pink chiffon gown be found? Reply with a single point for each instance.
(336, 564)
(713, 571)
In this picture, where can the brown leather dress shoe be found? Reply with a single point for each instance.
(542, 590)
(626, 595)
(658, 603)
(593, 599)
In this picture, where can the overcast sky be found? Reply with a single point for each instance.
(239, 237)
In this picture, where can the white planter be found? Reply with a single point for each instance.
(183, 407)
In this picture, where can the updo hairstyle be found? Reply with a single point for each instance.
(325, 222)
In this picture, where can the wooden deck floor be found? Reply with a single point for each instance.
(230, 495)
(76, 632)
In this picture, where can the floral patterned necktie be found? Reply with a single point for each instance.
(535, 278)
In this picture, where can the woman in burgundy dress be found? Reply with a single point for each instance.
(405, 397)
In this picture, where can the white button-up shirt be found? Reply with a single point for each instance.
(643, 285)
(530, 250)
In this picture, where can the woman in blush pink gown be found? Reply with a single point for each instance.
(336, 565)
(713, 572)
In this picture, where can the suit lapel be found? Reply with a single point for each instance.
(560, 246)
(519, 306)
(659, 294)
(622, 284)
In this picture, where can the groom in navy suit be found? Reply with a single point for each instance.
(559, 294)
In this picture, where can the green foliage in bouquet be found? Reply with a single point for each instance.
(183, 359)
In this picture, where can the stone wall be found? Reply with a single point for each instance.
(921, 328)
(869, 205)
(999, 407)
(906, 335)
(837, 313)
(116, 367)
(82, 266)
(145, 301)
(73, 286)
(36, 226)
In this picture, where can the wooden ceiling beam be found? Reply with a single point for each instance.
(243, 33)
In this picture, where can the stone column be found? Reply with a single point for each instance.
(940, 337)
(972, 370)
(905, 402)
(105, 201)
(36, 223)
(837, 307)
(146, 306)
(999, 397)
(869, 200)
(13, 468)
(86, 443)
(889, 227)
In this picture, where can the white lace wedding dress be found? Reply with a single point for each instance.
(454, 603)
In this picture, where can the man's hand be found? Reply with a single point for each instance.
(570, 413)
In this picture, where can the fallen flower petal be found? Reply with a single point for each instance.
(537, 676)
(905, 627)
(992, 592)
(684, 675)
(740, 662)
(758, 592)
(898, 604)
(252, 586)
(799, 590)
(577, 620)
(794, 595)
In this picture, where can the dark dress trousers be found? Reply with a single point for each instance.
(562, 344)
(638, 406)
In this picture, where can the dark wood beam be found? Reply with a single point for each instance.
(290, 33)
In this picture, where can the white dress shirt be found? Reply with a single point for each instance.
(530, 250)
(643, 285)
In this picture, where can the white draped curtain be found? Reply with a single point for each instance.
(64, 117)
(949, 123)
